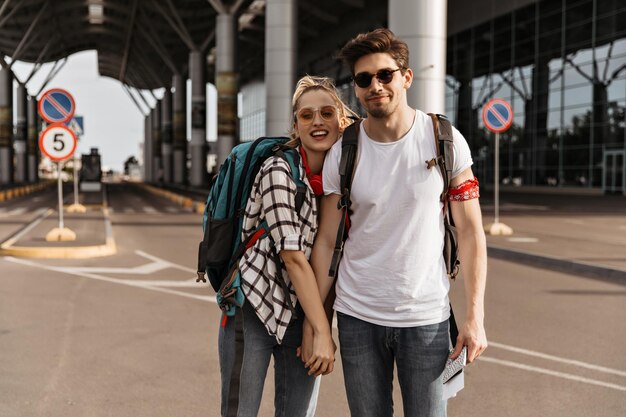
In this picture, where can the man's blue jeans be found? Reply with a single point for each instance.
(368, 352)
(245, 349)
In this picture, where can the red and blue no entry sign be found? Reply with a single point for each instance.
(56, 106)
(497, 115)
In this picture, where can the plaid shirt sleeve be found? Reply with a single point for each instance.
(278, 194)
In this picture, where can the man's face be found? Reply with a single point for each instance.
(379, 99)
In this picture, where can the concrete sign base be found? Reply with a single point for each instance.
(498, 229)
(60, 235)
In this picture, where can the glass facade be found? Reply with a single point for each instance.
(562, 66)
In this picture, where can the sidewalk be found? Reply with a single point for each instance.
(93, 235)
(585, 235)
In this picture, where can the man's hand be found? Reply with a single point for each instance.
(472, 335)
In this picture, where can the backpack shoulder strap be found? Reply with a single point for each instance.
(445, 152)
(347, 164)
(349, 146)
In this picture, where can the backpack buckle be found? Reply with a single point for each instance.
(344, 201)
(201, 277)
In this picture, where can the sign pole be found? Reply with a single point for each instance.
(58, 143)
(496, 176)
(60, 189)
(498, 117)
(75, 182)
(76, 207)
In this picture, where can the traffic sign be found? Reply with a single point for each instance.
(56, 106)
(497, 115)
(57, 142)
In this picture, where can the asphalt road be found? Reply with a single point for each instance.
(134, 335)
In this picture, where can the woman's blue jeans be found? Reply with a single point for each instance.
(368, 354)
(245, 349)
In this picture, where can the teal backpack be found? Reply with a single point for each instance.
(221, 247)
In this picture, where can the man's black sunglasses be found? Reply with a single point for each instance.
(364, 79)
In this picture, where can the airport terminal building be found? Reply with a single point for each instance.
(561, 64)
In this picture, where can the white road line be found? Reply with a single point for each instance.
(17, 211)
(557, 359)
(172, 210)
(513, 206)
(42, 213)
(574, 221)
(171, 264)
(157, 264)
(130, 283)
(552, 373)
(523, 239)
(150, 210)
(190, 283)
(129, 210)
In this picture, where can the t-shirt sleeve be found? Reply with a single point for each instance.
(462, 154)
(330, 173)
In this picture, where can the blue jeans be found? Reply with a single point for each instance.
(368, 352)
(245, 349)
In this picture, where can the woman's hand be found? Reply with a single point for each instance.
(322, 360)
(305, 351)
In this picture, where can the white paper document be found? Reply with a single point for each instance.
(453, 375)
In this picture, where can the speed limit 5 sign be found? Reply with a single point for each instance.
(57, 142)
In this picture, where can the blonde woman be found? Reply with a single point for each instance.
(269, 328)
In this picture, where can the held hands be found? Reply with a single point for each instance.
(317, 350)
(472, 335)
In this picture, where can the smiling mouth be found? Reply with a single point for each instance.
(319, 134)
(376, 98)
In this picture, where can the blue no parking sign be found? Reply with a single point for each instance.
(497, 115)
(56, 106)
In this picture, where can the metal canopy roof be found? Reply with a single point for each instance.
(143, 43)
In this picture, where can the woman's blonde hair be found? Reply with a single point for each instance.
(314, 83)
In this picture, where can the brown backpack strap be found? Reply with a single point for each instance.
(445, 152)
(445, 161)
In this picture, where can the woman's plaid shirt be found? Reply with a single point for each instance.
(273, 198)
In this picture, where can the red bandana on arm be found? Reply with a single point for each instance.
(467, 190)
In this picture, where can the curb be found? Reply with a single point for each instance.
(20, 191)
(186, 202)
(614, 275)
(68, 252)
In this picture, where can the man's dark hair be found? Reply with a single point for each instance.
(379, 40)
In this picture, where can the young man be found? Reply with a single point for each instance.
(392, 288)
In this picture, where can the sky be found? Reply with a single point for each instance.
(112, 122)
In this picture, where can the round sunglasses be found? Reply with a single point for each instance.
(306, 114)
(384, 76)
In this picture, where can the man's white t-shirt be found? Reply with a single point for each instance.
(392, 272)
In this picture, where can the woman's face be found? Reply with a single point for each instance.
(317, 121)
